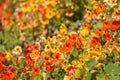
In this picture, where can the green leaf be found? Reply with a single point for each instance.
(112, 69)
(91, 63)
(112, 77)
(87, 76)
(115, 52)
(100, 77)
(98, 25)
(74, 52)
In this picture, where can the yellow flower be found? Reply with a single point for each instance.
(26, 8)
(35, 54)
(58, 15)
(81, 62)
(30, 26)
(66, 77)
(49, 13)
(8, 56)
(98, 65)
(111, 3)
(55, 49)
(17, 50)
(84, 32)
(47, 48)
(62, 28)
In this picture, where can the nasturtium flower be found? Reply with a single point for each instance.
(35, 54)
(116, 15)
(67, 77)
(108, 36)
(49, 13)
(100, 8)
(35, 71)
(17, 50)
(8, 56)
(95, 41)
(63, 28)
(84, 32)
(88, 15)
(115, 25)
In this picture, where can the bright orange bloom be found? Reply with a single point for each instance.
(56, 56)
(100, 8)
(106, 24)
(95, 40)
(78, 43)
(107, 36)
(115, 25)
(12, 72)
(67, 46)
(5, 76)
(99, 31)
(73, 37)
(2, 56)
(35, 71)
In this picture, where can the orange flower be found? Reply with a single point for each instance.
(99, 31)
(78, 43)
(56, 56)
(5, 76)
(95, 40)
(35, 71)
(115, 25)
(2, 56)
(107, 36)
(12, 72)
(100, 8)
(116, 15)
(106, 24)
(73, 37)
(67, 47)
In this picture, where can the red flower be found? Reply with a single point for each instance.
(95, 40)
(49, 66)
(115, 25)
(1, 66)
(20, 14)
(5, 76)
(36, 46)
(35, 71)
(24, 70)
(71, 70)
(12, 72)
(107, 36)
